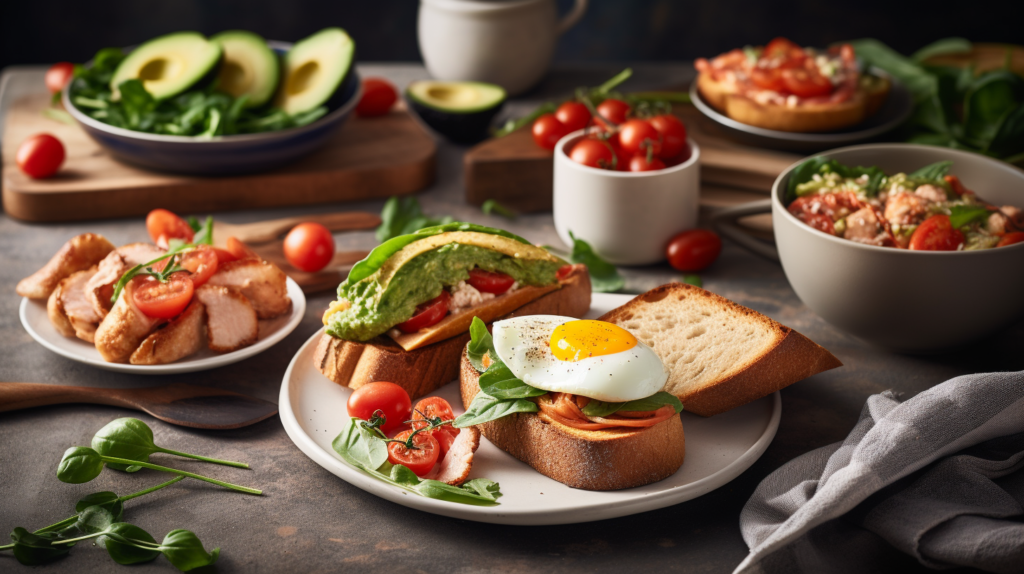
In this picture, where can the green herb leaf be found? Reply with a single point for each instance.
(961, 215)
(185, 551)
(651, 403)
(106, 500)
(693, 280)
(604, 277)
(94, 519)
(492, 207)
(485, 408)
(484, 487)
(480, 343)
(361, 445)
(402, 215)
(499, 382)
(988, 102)
(127, 438)
(932, 172)
(34, 549)
(941, 48)
(79, 464)
(118, 542)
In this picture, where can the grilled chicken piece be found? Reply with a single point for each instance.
(55, 311)
(231, 321)
(81, 252)
(124, 328)
(183, 336)
(931, 193)
(77, 306)
(101, 287)
(263, 283)
(863, 226)
(455, 466)
(906, 209)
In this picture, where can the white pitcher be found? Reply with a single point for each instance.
(504, 42)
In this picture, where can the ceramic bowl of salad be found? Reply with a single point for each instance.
(912, 248)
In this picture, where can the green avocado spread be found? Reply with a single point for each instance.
(379, 302)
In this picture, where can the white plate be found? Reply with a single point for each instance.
(718, 449)
(37, 323)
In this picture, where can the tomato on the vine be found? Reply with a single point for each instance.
(573, 115)
(639, 136)
(639, 163)
(673, 134)
(593, 153)
(309, 247)
(59, 75)
(40, 156)
(388, 398)
(378, 97)
(427, 314)
(936, 234)
(164, 225)
(490, 281)
(1011, 238)
(693, 250)
(615, 111)
(436, 408)
(202, 262)
(547, 130)
(162, 300)
(420, 459)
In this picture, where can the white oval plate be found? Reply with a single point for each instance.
(37, 323)
(313, 411)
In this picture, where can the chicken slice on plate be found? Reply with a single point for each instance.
(231, 321)
(184, 335)
(124, 328)
(77, 305)
(864, 226)
(101, 287)
(55, 311)
(263, 283)
(81, 252)
(455, 466)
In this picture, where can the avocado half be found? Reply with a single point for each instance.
(461, 111)
(315, 70)
(250, 67)
(171, 64)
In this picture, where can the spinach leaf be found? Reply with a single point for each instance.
(802, 174)
(961, 215)
(185, 551)
(403, 215)
(1007, 140)
(109, 501)
(651, 403)
(499, 382)
(94, 519)
(132, 439)
(987, 104)
(932, 172)
(79, 464)
(480, 344)
(806, 171)
(120, 548)
(492, 207)
(693, 280)
(35, 549)
(941, 48)
(604, 277)
(361, 444)
(485, 408)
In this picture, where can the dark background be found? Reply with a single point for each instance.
(36, 32)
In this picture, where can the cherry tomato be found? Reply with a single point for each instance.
(673, 134)
(240, 251)
(309, 247)
(489, 281)
(1011, 238)
(40, 156)
(768, 79)
(223, 255)
(163, 225)
(433, 408)
(593, 153)
(202, 262)
(389, 398)
(59, 75)
(378, 97)
(936, 234)
(563, 272)
(427, 314)
(806, 83)
(420, 459)
(784, 50)
(162, 300)
(639, 163)
(613, 110)
(547, 130)
(573, 115)
(693, 250)
(639, 136)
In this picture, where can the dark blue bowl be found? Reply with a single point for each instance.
(222, 155)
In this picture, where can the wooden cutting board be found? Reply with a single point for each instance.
(518, 174)
(366, 159)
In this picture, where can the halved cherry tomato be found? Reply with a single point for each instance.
(1011, 238)
(936, 234)
(389, 398)
(40, 156)
(202, 262)
(639, 163)
(806, 83)
(240, 250)
(615, 111)
(420, 459)
(162, 300)
(163, 226)
(490, 281)
(573, 115)
(672, 132)
(593, 153)
(563, 272)
(693, 250)
(547, 130)
(309, 247)
(378, 97)
(639, 136)
(427, 314)
(768, 79)
(436, 408)
(58, 76)
(784, 50)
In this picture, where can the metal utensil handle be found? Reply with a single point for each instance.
(725, 222)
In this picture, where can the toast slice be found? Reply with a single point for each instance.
(719, 354)
(426, 369)
(609, 459)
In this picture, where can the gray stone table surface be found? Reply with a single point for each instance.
(308, 520)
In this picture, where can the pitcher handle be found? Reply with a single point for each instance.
(574, 15)
(725, 222)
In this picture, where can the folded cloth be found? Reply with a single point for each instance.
(939, 477)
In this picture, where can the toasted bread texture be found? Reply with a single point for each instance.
(609, 459)
(719, 354)
(426, 369)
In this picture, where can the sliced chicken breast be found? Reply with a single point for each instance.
(77, 305)
(231, 321)
(183, 336)
(101, 287)
(263, 283)
(55, 311)
(458, 461)
(81, 252)
(124, 328)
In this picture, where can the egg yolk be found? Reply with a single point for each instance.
(577, 340)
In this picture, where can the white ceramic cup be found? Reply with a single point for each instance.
(509, 43)
(628, 218)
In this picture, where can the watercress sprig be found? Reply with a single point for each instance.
(133, 439)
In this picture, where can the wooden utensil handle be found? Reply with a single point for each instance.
(339, 221)
(15, 396)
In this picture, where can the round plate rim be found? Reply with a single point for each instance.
(183, 366)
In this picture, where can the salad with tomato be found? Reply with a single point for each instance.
(925, 210)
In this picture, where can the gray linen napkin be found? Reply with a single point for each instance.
(939, 477)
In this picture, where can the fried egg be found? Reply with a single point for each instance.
(583, 357)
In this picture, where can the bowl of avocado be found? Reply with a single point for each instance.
(229, 104)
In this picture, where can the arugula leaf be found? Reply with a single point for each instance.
(604, 277)
(492, 207)
(485, 408)
(651, 403)
(499, 382)
(484, 487)
(932, 172)
(480, 344)
(942, 47)
(961, 215)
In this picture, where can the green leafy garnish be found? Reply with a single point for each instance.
(651, 403)
(480, 344)
(820, 165)
(492, 207)
(133, 439)
(693, 280)
(961, 215)
(933, 172)
(402, 215)
(604, 277)
(499, 382)
(203, 231)
(486, 408)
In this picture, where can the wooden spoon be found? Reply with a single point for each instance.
(178, 404)
(265, 231)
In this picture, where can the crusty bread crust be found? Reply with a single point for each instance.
(426, 369)
(609, 459)
(802, 118)
(789, 358)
